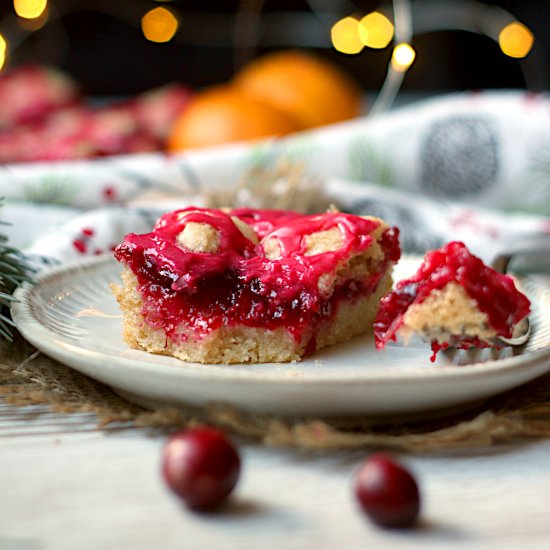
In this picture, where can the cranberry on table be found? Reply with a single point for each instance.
(387, 492)
(201, 466)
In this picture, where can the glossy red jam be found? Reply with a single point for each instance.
(239, 284)
(495, 294)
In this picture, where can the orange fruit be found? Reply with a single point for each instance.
(220, 115)
(311, 89)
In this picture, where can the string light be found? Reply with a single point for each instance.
(375, 30)
(345, 36)
(402, 57)
(30, 9)
(3, 51)
(159, 25)
(516, 40)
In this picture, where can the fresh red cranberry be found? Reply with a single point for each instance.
(387, 492)
(201, 466)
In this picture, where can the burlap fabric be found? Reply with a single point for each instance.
(28, 377)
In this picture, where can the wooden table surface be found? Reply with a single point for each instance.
(65, 485)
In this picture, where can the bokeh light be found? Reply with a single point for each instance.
(345, 36)
(30, 9)
(3, 51)
(402, 57)
(159, 25)
(375, 30)
(516, 40)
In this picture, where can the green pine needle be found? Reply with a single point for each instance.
(14, 270)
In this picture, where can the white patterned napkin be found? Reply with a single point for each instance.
(473, 166)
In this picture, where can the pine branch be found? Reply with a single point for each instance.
(14, 270)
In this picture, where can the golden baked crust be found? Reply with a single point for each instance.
(240, 344)
(444, 314)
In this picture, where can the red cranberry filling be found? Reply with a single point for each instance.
(239, 284)
(494, 293)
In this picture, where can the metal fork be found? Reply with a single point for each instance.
(533, 249)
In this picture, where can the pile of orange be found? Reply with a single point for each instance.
(274, 95)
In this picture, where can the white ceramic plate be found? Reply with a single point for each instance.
(70, 315)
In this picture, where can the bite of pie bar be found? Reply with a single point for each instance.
(454, 299)
(248, 285)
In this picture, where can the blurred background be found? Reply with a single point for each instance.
(87, 79)
(123, 47)
(243, 70)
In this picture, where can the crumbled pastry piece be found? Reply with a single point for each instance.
(199, 237)
(272, 248)
(323, 241)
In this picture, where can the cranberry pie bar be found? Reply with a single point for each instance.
(247, 285)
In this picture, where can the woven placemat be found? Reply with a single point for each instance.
(27, 377)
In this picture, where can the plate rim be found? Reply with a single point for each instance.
(31, 329)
